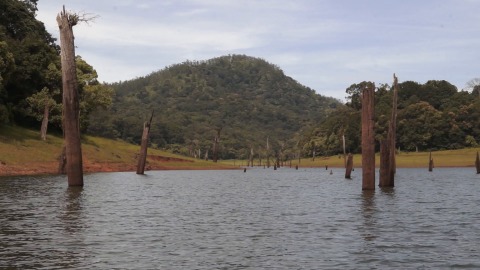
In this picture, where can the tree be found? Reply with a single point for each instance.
(354, 92)
(40, 105)
(416, 126)
(32, 49)
(71, 108)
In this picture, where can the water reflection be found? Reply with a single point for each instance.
(72, 210)
(368, 214)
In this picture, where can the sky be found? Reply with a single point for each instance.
(326, 45)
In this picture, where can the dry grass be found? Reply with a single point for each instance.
(448, 158)
(23, 147)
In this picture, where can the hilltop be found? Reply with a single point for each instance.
(246, 98)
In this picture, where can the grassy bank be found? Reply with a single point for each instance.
(23, 152)
(447, 158)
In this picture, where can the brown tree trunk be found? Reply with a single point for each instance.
(387, 146)
(344, 151)
(384, 163)
(268, 155)
(368, 137)
(142, 158)
(349, 167)
(44, 127)
(393, 134)
(251, 157)
(477, 163)
(71, 110)
(62, 162)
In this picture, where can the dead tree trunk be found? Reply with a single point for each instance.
(44, 127)
(251, 156)
(392, 132)
(344, 151)
(216, 140)
(477, 164)
(268, 155)
(430, 163)
(387, 146)
(368, 137)
(384, 163)
(142, 158)
(62, 161)
(71, 109)
(349, 167)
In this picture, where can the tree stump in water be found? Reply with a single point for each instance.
(430, 163)
(348, 169)
(477, 164)
(368, 137)
(71, 107)
(142, 158)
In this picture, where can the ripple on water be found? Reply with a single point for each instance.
(261, 219)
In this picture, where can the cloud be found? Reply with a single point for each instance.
(326, 45)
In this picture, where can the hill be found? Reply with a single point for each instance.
(22, 152)
(244, 98)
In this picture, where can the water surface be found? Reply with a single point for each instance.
(261, 219)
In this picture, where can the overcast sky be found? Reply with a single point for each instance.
(326, 45)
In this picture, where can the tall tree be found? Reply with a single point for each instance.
(71, 109)
(368, 136)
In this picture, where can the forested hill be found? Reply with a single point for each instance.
(246, 98)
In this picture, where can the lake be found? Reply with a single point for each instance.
(260, 219)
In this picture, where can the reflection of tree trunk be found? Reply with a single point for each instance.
(368, 137)
(71, 109)
(43, 129)
(142, 158)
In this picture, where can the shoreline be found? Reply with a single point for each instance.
(51, 168)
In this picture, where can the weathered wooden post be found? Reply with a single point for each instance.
(387, 146)
(71, 108)
(430, 163)
(348, 169)
(344, 151)
(477, 163)
(268, 154)
(368, 137)
(142, 158)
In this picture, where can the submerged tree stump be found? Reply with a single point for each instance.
(477, 163)
(368, 137)
(142, 158)
(387, 146)
(349, 167)
(430, 163)
(71, 107)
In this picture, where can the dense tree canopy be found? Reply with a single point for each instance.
(431, 116)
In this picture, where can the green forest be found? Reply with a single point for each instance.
(249, 103)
